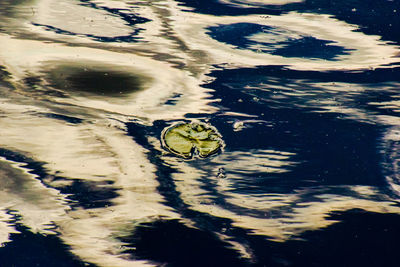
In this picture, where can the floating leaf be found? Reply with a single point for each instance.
(188, 139)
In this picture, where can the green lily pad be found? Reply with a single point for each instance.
(189, 139)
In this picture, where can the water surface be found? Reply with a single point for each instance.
(303, 93)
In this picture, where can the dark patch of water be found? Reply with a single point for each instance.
(32, 249)
(173, 99)
(215, 7)
(359, 238)
(171, 243)
(69, 119)
(95, 81)
(238, 34)
(89, 194)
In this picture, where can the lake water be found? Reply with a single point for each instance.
(305, 95)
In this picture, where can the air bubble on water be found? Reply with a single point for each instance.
(221, 173)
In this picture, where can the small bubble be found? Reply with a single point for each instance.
(221, 173)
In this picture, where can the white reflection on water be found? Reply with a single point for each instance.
(91, 151)
(149, 104)
(169, 62)
(68, 16)
(26, 196)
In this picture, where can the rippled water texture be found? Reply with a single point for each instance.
(304, 94)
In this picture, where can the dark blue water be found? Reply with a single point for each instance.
(301, 46)
(303, 93)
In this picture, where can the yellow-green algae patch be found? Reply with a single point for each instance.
(189, 139)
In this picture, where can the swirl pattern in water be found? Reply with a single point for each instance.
(302, 97)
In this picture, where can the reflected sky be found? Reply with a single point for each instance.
(306, 104)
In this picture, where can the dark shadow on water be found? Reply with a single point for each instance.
(88, 80)
(69, 119)
(32, 249)
(174, 244)
(89, 194)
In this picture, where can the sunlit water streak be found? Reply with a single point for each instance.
(64, 120)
